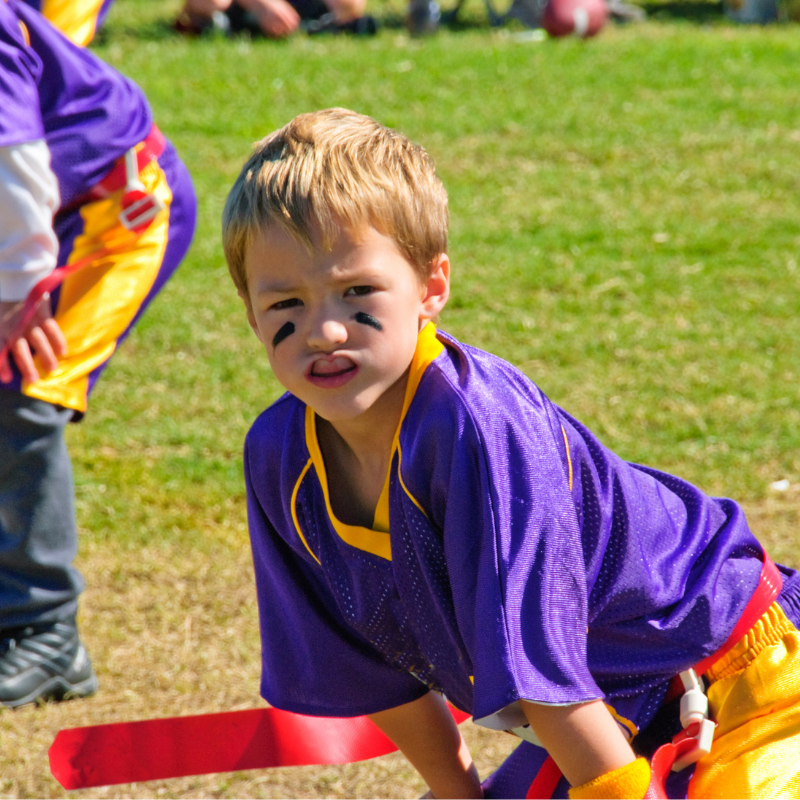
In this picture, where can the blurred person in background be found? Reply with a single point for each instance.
(280, 18)
(96, 213)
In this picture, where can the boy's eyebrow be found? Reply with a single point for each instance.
(274, 287)
(340, 276)
(349, 274)
(277, 287)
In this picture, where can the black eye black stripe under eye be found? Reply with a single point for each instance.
(287, 329)
(368, 319)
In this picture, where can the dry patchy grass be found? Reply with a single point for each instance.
(175, 633)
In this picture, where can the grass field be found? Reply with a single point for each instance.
(625, 228)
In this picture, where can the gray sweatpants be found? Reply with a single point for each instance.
(38, 534)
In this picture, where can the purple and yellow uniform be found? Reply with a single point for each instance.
(89, 115)
(74, 136)
(78, 20)
(512, 557)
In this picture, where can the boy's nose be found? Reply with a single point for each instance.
(327, 333)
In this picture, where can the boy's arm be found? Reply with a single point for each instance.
(426, 733)
(585, 742)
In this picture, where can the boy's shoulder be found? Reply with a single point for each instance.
(276, 457)
(469, 398)
(468, 381)
(279, 428)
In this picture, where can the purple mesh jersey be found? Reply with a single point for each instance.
(524, 560)
(88, 113)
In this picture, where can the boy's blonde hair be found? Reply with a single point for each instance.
(335, 168)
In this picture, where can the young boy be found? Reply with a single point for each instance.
(426, 523)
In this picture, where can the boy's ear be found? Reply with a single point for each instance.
(436, 289)
(251, 317)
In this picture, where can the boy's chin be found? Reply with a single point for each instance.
(349, 411)
(340, 414)
(375, 405)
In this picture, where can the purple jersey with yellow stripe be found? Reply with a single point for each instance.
(513, 557)
(78, 20)
(88, 113)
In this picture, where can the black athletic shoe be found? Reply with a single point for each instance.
(44, 662)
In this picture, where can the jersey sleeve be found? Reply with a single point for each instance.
(312, 661)
(20, 70)
(500, 493)
(28, 200)
(530, 605)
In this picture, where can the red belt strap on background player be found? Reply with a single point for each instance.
(680, 751)
(139, 208)
(148, 150)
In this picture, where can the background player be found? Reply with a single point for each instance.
(274, 18)
(77, 142)
(424, 518)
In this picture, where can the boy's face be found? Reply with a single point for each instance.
(340, 327)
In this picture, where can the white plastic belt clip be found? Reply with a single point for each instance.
(139, 208)
(695, 721)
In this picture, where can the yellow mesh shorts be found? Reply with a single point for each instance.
(754, 697)
(97, 304)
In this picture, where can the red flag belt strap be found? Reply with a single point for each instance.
(127, 752)
(768, 589)
(546, 780)
(148, 150)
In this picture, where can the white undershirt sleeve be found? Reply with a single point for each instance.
(28, 199)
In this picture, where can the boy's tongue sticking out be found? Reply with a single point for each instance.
(330, 366)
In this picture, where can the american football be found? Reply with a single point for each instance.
(582, 18)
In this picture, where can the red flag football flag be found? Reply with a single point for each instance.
(127, 752)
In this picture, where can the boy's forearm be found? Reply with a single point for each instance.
(584, 740)
(426, 733)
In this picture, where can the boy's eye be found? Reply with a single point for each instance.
(358, 291)
(281, 304)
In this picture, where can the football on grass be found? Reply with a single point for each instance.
(582, 18)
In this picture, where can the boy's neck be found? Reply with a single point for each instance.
(371, 433)
(357, 455)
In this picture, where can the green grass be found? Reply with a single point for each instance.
(625, 228)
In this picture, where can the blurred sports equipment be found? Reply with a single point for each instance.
(530, 13)
(581, 18)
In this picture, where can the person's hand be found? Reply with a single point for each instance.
(41, 334)
(275, 17)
